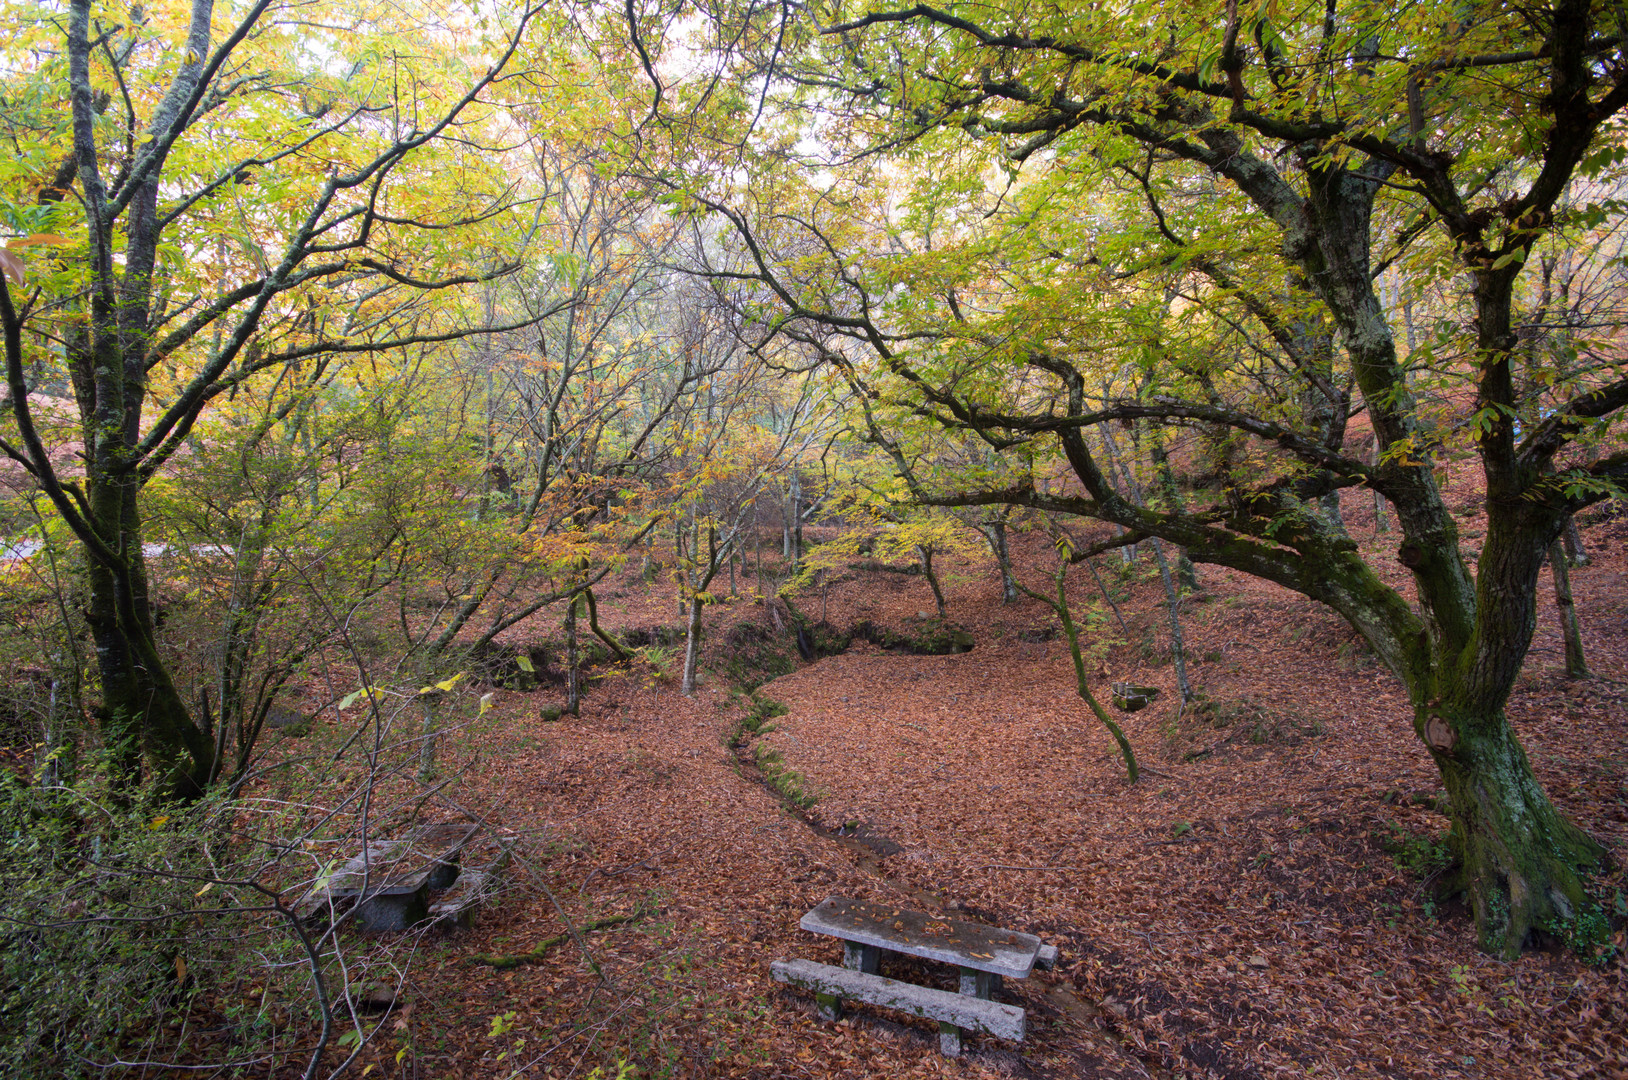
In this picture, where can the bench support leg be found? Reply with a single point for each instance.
(829, 1006)
(865, 958)
(977, 984)
(949, 1039)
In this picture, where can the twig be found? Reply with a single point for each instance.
(643, 864)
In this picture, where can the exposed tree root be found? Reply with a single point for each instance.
(506, 962)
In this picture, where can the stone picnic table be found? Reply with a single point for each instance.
(984, 954)
(389, 881)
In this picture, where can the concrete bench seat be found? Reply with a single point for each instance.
(458, 906)
(954, 1012)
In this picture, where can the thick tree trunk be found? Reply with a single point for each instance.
(1520, 862)
(142, 712)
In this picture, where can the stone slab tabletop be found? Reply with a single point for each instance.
(931, 937)
(397, 867)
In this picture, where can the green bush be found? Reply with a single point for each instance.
(128, 925)
(104, 940)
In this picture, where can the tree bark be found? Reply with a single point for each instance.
(1082, 685)
(692, 646)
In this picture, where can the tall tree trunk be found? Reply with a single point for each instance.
(1576, 664)
(573, 660)
(994, 532)
(430, 702)
(1186, 574)
(1120, 478)
(785, 518)
(925, 552)
(1172, 600)
(692, 646)
(1172, 596)
(794, 507)
(1381, 524)
(1572, 538)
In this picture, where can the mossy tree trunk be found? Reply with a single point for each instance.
(1517, 859)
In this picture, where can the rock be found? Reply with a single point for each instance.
(1129, 697)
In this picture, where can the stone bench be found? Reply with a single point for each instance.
(983, 954)
(955, 1013)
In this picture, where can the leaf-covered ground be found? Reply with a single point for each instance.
(1258, 905)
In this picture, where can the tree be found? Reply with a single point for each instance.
(1211, 196)
(218, 208)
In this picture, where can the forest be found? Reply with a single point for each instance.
(513, 514)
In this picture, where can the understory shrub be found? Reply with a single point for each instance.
(120, 918)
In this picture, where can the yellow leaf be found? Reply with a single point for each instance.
(525, 663)
(205, 889)
(158, 822)
(39, 238)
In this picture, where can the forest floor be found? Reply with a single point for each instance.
(1257, 905)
